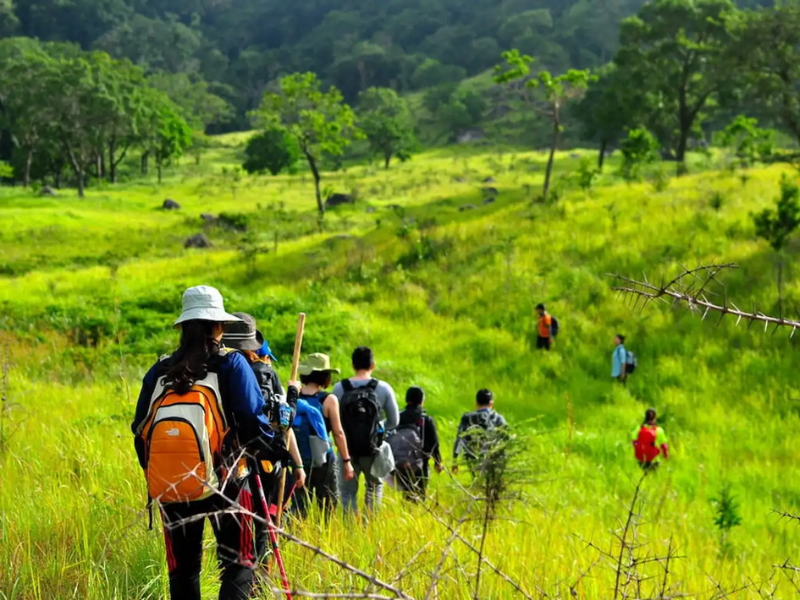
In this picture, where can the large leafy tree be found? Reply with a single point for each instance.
(675, 51)
(166, 135)
(553, 94)
(606, 109)
(765, 55)
(320, 121)
(387, 123)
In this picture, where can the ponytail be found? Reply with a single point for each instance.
(197, 350)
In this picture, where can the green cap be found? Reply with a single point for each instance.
(316, 363)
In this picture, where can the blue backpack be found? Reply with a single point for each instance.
(309, 429)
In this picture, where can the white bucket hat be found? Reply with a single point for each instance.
(204, 303)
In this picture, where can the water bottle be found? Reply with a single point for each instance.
(284, 416)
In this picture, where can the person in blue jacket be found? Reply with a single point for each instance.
(200, 354)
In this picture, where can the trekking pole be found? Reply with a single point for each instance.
(273, 536)
(298, 345)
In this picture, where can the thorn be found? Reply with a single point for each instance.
(739, 320)
(705, 314)
(791, 335)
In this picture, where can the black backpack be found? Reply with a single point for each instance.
(553, 326)
(407, 442)
(360, 414)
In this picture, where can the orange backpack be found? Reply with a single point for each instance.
(645, 447)
(183, 436)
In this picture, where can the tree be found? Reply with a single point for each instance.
(199, 106)
(166, 134)
(606, 109)
(777, 225)
(321, 122)
(387, 124)
(765, 51)
(272, 150)
(555, 93)
(675, 51)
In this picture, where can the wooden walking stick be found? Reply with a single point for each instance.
(298, 345)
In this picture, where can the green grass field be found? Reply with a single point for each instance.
(445, 296)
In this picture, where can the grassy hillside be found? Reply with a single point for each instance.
(445, 295)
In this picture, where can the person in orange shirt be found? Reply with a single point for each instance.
(544, 338)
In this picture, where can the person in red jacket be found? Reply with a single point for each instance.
(650, 441)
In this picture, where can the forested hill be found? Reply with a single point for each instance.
(239, 46)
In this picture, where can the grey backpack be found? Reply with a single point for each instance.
(407, 446)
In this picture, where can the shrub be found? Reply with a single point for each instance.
(587, 174)
(272, 150)
(638, 149)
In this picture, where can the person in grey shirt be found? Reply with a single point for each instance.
(364, 365)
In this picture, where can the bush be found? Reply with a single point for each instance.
(748, 141)
(273, 150)
(587, 174)
(716, 201)
(638, 149)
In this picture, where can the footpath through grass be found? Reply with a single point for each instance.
(442, 284)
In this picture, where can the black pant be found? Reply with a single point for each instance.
(412, 482)
(321, 482)
(183, 534)
(542, 343)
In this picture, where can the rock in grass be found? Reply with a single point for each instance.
(575, 155)
(170, 205)
(466, 207)
(48, 191)
(371, 209)
(208, 217)
(490, 200)
(339, 199)
(490, 191)
(489, 180)
(198, 240)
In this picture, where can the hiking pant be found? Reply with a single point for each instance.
(542, 343)
(413, 483)
(362, 465)
(183, 534)
(322, 483)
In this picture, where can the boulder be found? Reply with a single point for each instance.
(170, 205)
(370, 209)
(208, 217)
(489, 180)
(574, 155)
(470, 135)
(490, 191)
(339, 199)
(198, 240)
(490, 200)
(466, 207)
(48, 191)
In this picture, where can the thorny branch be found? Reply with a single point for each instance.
(694, 295)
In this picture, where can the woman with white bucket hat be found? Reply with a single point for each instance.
(199, 409)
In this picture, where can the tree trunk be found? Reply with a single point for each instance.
(79, 175)
(158, 167)
(27, 173)
(101, 165)
(144, 163)
(549, 171)
(112, 157)
(312, 163)
(780, 283)
(602, 156)
(683, 141)
(78, 168)
(387, 159)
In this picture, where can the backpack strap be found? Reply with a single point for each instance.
(373, 384)
(347, 385)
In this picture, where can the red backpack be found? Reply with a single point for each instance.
(645, 445)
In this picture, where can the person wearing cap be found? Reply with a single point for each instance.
(200, 357)
(544, 329)
(283, 452)
(415, 483)
(316, 376)
(363, 361)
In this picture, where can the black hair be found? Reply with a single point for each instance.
(649, 415)
(484, 397)
(415, 396)
(621, 337)
(363, 358)
(197, 351)
(320, 378)
(540, 306)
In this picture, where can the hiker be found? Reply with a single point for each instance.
(484, 418)
(650, 441)
(282, 452)
(547, 329)
(314, 440)
(623, 363)
(198, 409)
(414, 442)
(362, 400)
